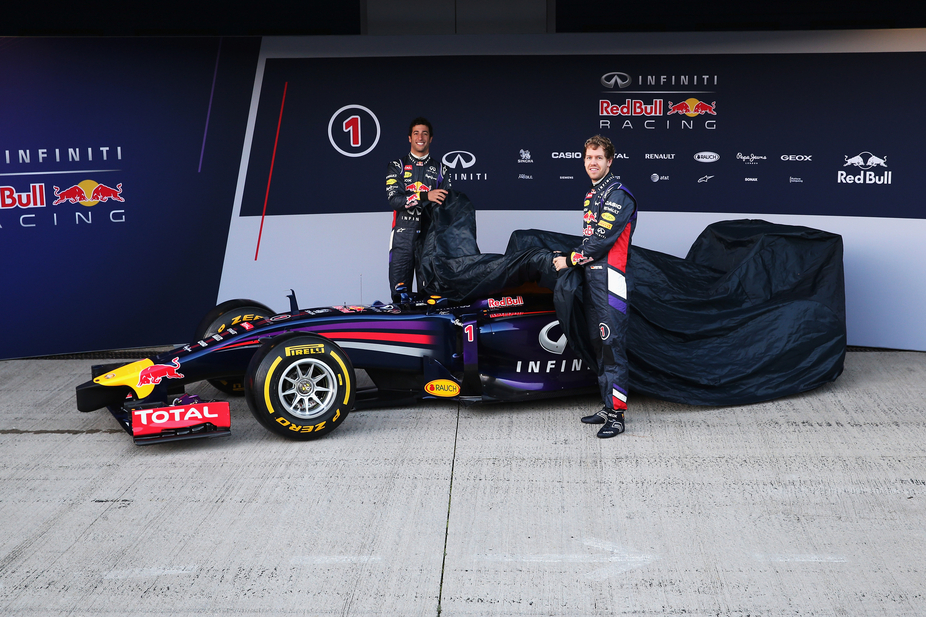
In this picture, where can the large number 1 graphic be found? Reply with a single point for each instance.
(352, 126)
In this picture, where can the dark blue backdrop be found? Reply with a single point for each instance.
(85, 276)
(784, 126)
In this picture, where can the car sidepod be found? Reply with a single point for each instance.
(525, 355)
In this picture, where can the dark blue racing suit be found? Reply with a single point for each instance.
(408, 181)
(610, 215)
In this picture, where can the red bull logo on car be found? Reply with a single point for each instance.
(505, 302)
(152, 375)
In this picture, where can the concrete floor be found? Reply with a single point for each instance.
(810, 505)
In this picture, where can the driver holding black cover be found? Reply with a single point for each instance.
(610, 215)
(411, 182)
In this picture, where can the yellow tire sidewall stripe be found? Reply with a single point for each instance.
(346, 376)
(267, 383)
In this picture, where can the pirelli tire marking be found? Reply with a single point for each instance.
(300, 386)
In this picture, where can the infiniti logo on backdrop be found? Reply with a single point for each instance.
(609, 80)
(459, 157)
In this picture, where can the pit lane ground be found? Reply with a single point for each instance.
(810, 505)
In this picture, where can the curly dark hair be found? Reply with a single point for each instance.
(599, 141)
(420, 120)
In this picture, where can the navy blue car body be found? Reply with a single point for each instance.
(298, 369)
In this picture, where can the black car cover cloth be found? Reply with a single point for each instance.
(755, 311)
(450, 264)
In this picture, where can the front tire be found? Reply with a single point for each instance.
(226, 315)
(300, 386)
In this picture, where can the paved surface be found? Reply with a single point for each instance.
(810, 505)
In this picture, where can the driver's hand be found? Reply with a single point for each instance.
(560, 263)
(437, 196)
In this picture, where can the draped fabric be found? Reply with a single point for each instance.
(755, 311)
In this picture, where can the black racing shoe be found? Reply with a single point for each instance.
(599, 417)
(613, 426)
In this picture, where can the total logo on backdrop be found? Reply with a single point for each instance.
(866, 163)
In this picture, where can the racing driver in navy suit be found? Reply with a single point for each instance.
(411, 182)
(610, 215)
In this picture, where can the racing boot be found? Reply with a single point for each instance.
(613, 426)
(599, 417)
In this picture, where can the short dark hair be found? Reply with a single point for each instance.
(420, 120)
(599, 141)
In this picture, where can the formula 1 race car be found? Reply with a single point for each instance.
(297, 369)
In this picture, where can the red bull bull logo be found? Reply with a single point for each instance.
(418, 188)
(88, 193)
(74, 194)
(692, 108)
(105, 193)
(152, 375)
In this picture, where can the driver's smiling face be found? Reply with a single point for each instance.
(597, 165)
(420, 139)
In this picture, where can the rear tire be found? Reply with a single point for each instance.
(220, 318)
(300, 386)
